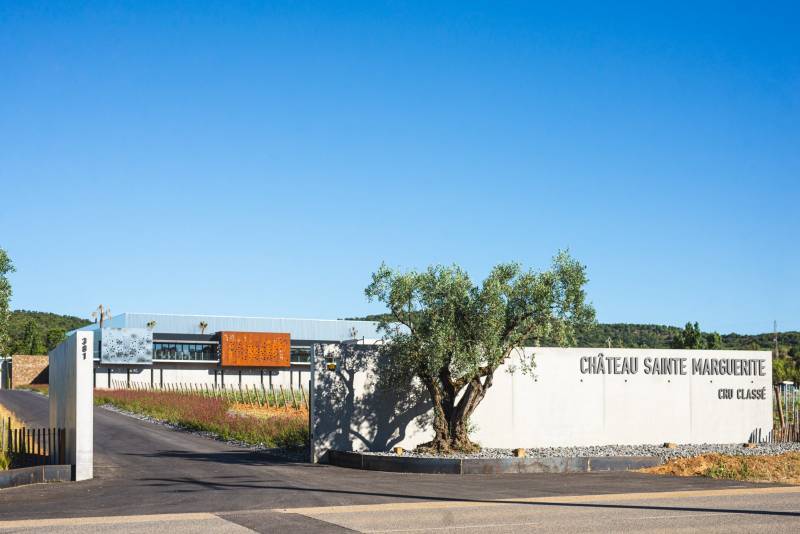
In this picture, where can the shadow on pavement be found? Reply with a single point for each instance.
(232, 457)
(202, 485)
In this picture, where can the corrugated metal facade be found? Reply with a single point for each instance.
(212, 374)
(305, 329)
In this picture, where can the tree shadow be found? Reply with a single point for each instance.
(355, 410)
(203, 485)
(243, 457)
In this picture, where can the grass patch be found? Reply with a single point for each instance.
(44, 389)
(782, 468)
(287, 429)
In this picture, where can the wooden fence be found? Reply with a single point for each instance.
(786, 416)
(269, 396)
(32, 446)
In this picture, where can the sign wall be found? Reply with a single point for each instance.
(577, 396)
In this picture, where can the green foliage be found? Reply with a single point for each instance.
(32, 339)
(53, 337)
(655, 336)
(6, 268)
(786, 364)
(713, 341)
(720, 470)
(726, 468)
(785, 369)
(691, 337)
(33, 332)
(453, 335)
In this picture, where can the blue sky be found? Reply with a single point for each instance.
(263, 160)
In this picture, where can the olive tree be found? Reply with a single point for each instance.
(452, 335)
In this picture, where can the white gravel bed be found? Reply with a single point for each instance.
(680, 451)
(288, 454)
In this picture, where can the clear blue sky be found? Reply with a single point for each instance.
(263, 160)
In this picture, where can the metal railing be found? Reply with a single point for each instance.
(254, 395)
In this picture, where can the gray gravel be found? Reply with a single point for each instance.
(680, 451)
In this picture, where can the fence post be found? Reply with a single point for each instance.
(283, 396)
(780, 406)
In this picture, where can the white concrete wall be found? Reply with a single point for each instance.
(202, 374)
(558, 406)
(71, 402)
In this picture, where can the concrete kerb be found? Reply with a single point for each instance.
(488, 466)
(35, 475)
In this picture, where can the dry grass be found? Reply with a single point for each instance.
(783, 468)
(276, 428)
(5, 414)
(264, 411)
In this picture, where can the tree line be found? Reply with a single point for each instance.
(785, 366)
(35, 332)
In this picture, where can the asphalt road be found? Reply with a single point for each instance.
(148, 477)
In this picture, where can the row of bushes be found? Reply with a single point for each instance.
(194, 412)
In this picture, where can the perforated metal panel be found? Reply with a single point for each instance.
(255, 349)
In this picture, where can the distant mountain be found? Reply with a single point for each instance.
(34, 332)
(656, 336)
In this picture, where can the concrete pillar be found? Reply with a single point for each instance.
(71, 403)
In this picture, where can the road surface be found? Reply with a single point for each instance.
(149, 477)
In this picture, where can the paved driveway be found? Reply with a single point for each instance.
(143, 468)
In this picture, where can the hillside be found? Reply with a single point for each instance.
(34, 332)
(656, 336)
(659, 336)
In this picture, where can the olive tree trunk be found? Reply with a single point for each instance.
(451, 414)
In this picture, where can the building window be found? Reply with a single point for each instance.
(301, 354)
(185, 351)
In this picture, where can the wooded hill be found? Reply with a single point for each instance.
(34, 332)
(656, 336)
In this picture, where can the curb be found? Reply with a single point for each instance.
(35, 475)
(488, 466)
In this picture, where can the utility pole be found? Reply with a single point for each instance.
(775, 336)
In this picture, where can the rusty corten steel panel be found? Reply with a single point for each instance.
(255, 349)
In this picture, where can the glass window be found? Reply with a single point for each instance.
(300, 354)
(184, 351)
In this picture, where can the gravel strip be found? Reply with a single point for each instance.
(287, 454)
(680, 451)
